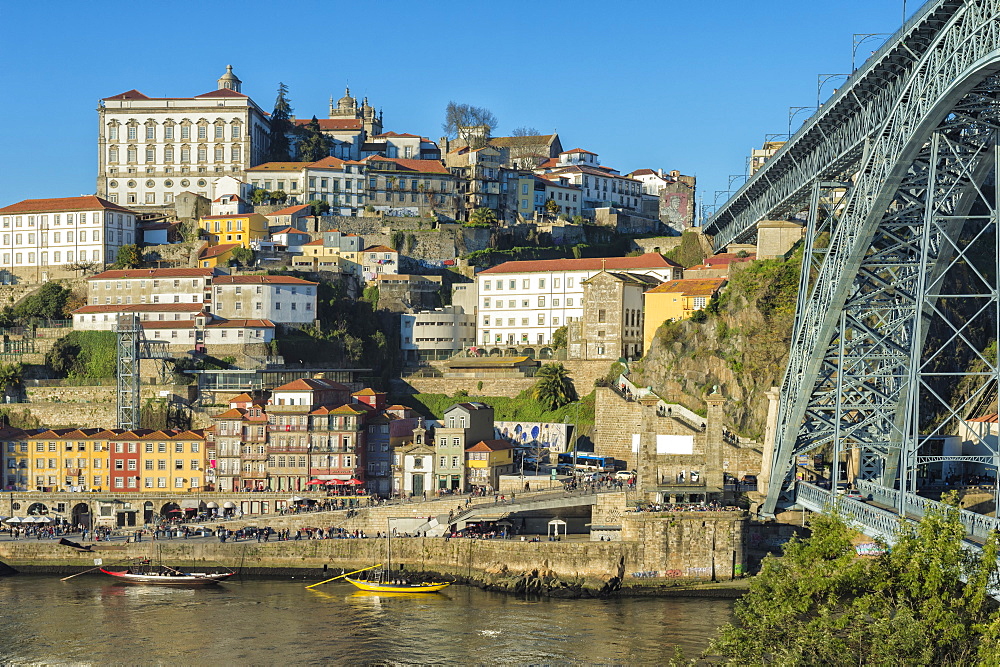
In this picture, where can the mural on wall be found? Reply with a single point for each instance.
(532, 435)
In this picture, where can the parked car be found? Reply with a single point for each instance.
(625, 474)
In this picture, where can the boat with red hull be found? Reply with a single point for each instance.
(166, 576)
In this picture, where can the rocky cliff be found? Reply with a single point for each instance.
(739, 343)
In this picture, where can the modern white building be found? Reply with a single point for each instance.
(436, 334)
(281, 299)
(42, 239)
(150, 149)
(523, 303)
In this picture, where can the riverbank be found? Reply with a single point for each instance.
(556, 569)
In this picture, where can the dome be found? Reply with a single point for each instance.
(347, 102)
(229, 80)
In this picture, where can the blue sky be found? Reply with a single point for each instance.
(689, 85)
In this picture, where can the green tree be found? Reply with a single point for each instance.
(319, 207)
(551, 207)
(129, 257)
(279, 196)
(242, 256)
(559, 337)
(553, 388)
(819, 604)
(84, 354)
(48, 302)
(281, 126)
(370, 294)
(10, 375)
(483, 216)
(396, 240)
(314, 145)
(259, 196)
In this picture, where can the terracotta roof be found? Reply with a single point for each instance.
(985, 419)
(378, 248)
(577, 150)
(242, 398)
(421, 166)
(551, 162)
(727, 258)
(311, 384)
(290, 210)
(368, 391)
(643, 172)
(523, 141)
(593, 171)
(231, 413)
(231, 324)
(155, 273)
(279, 166)
(230, 216)
(327, 163)
(550, 179)
(333, 123)
(59, 204)
(129, 95)
(690, 287)
(142, 308)
(397, 134)
(260, 280)
(215, 251)
(316, 242)
(221, 92)
(289, 230)
(651, 260)
(356, 409)
(490, 446)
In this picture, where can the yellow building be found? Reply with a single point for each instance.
(486, 460)
(322, 257)
(218, 255)
(173, 461)
(243, 229)
(675, 300)
(68, 459)
(16, 458)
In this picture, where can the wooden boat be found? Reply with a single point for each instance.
(376, 585)
(166, 576)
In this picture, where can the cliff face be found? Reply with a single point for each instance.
(739, 343)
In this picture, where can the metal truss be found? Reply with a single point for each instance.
(832, 144)
(857, 373)
(132, 348)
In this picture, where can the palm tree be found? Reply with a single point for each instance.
(554, 387)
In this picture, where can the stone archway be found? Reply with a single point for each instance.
(35, 509)
(528, 352)
(80, 515)
(171, 511)
(495, 352)
(147, 512)
(545, 353)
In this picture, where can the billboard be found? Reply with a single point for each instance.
(541, 435)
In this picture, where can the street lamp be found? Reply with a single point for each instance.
(822, 80)
(859, 39)
(792, 113)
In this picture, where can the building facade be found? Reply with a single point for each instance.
(611, 326)
(435, 334)
(152, 149)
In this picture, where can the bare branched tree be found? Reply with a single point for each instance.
(524, 132)
(473, 125)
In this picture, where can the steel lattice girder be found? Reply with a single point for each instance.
(837, 139)
(877, 224)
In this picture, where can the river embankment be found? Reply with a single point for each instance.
(698, 554)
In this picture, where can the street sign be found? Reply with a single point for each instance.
(553, 473)
(98, 561)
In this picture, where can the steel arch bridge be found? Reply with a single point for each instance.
(898, 298)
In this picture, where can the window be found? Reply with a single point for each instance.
(486, 286)
(541, 302)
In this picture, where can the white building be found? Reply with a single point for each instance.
(153, 286)
(337, 182)
(103, 318)
(281, 299)
(601, 186)
(558, 188)
(207, 330)
(523, 303)
(151, 149)
(43, 238)
(436, 334)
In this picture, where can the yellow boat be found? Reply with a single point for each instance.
(391, 587)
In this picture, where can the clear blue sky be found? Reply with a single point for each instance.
(689, 85)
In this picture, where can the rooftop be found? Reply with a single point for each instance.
(650, 260)
(690, 287)
(155, 273)
(60, 204)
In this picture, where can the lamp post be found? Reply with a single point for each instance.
(822, 80)
(792, 113)
(859, 39)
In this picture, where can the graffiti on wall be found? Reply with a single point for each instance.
(532, 435)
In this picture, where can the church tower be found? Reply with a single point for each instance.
(229, 81)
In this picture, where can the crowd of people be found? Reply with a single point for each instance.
(711, 506)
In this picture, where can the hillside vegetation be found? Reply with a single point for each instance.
(739, 343)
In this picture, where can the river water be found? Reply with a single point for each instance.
(92, 620)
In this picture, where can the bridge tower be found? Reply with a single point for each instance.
(898, 320)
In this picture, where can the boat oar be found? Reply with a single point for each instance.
(79, 573)
(346, 574)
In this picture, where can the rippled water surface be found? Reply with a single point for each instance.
(90, 619)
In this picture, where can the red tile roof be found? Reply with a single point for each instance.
(333, 123)
(289, 230)
(490, 446)
(650, 260)
(221, 92)
(985, 419)
(311, 384)
(59, 204)
(727, 258)
(155, 273)
(128, 95)
(232, 324)
(215, 251)
(378, 248)
(141, 308)
(279, 166)
(327, 163)
(422, 166)
(577, 150)
(690, 286)
(598, 171)
(643, 172)
(289, 210)
(260, 280)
